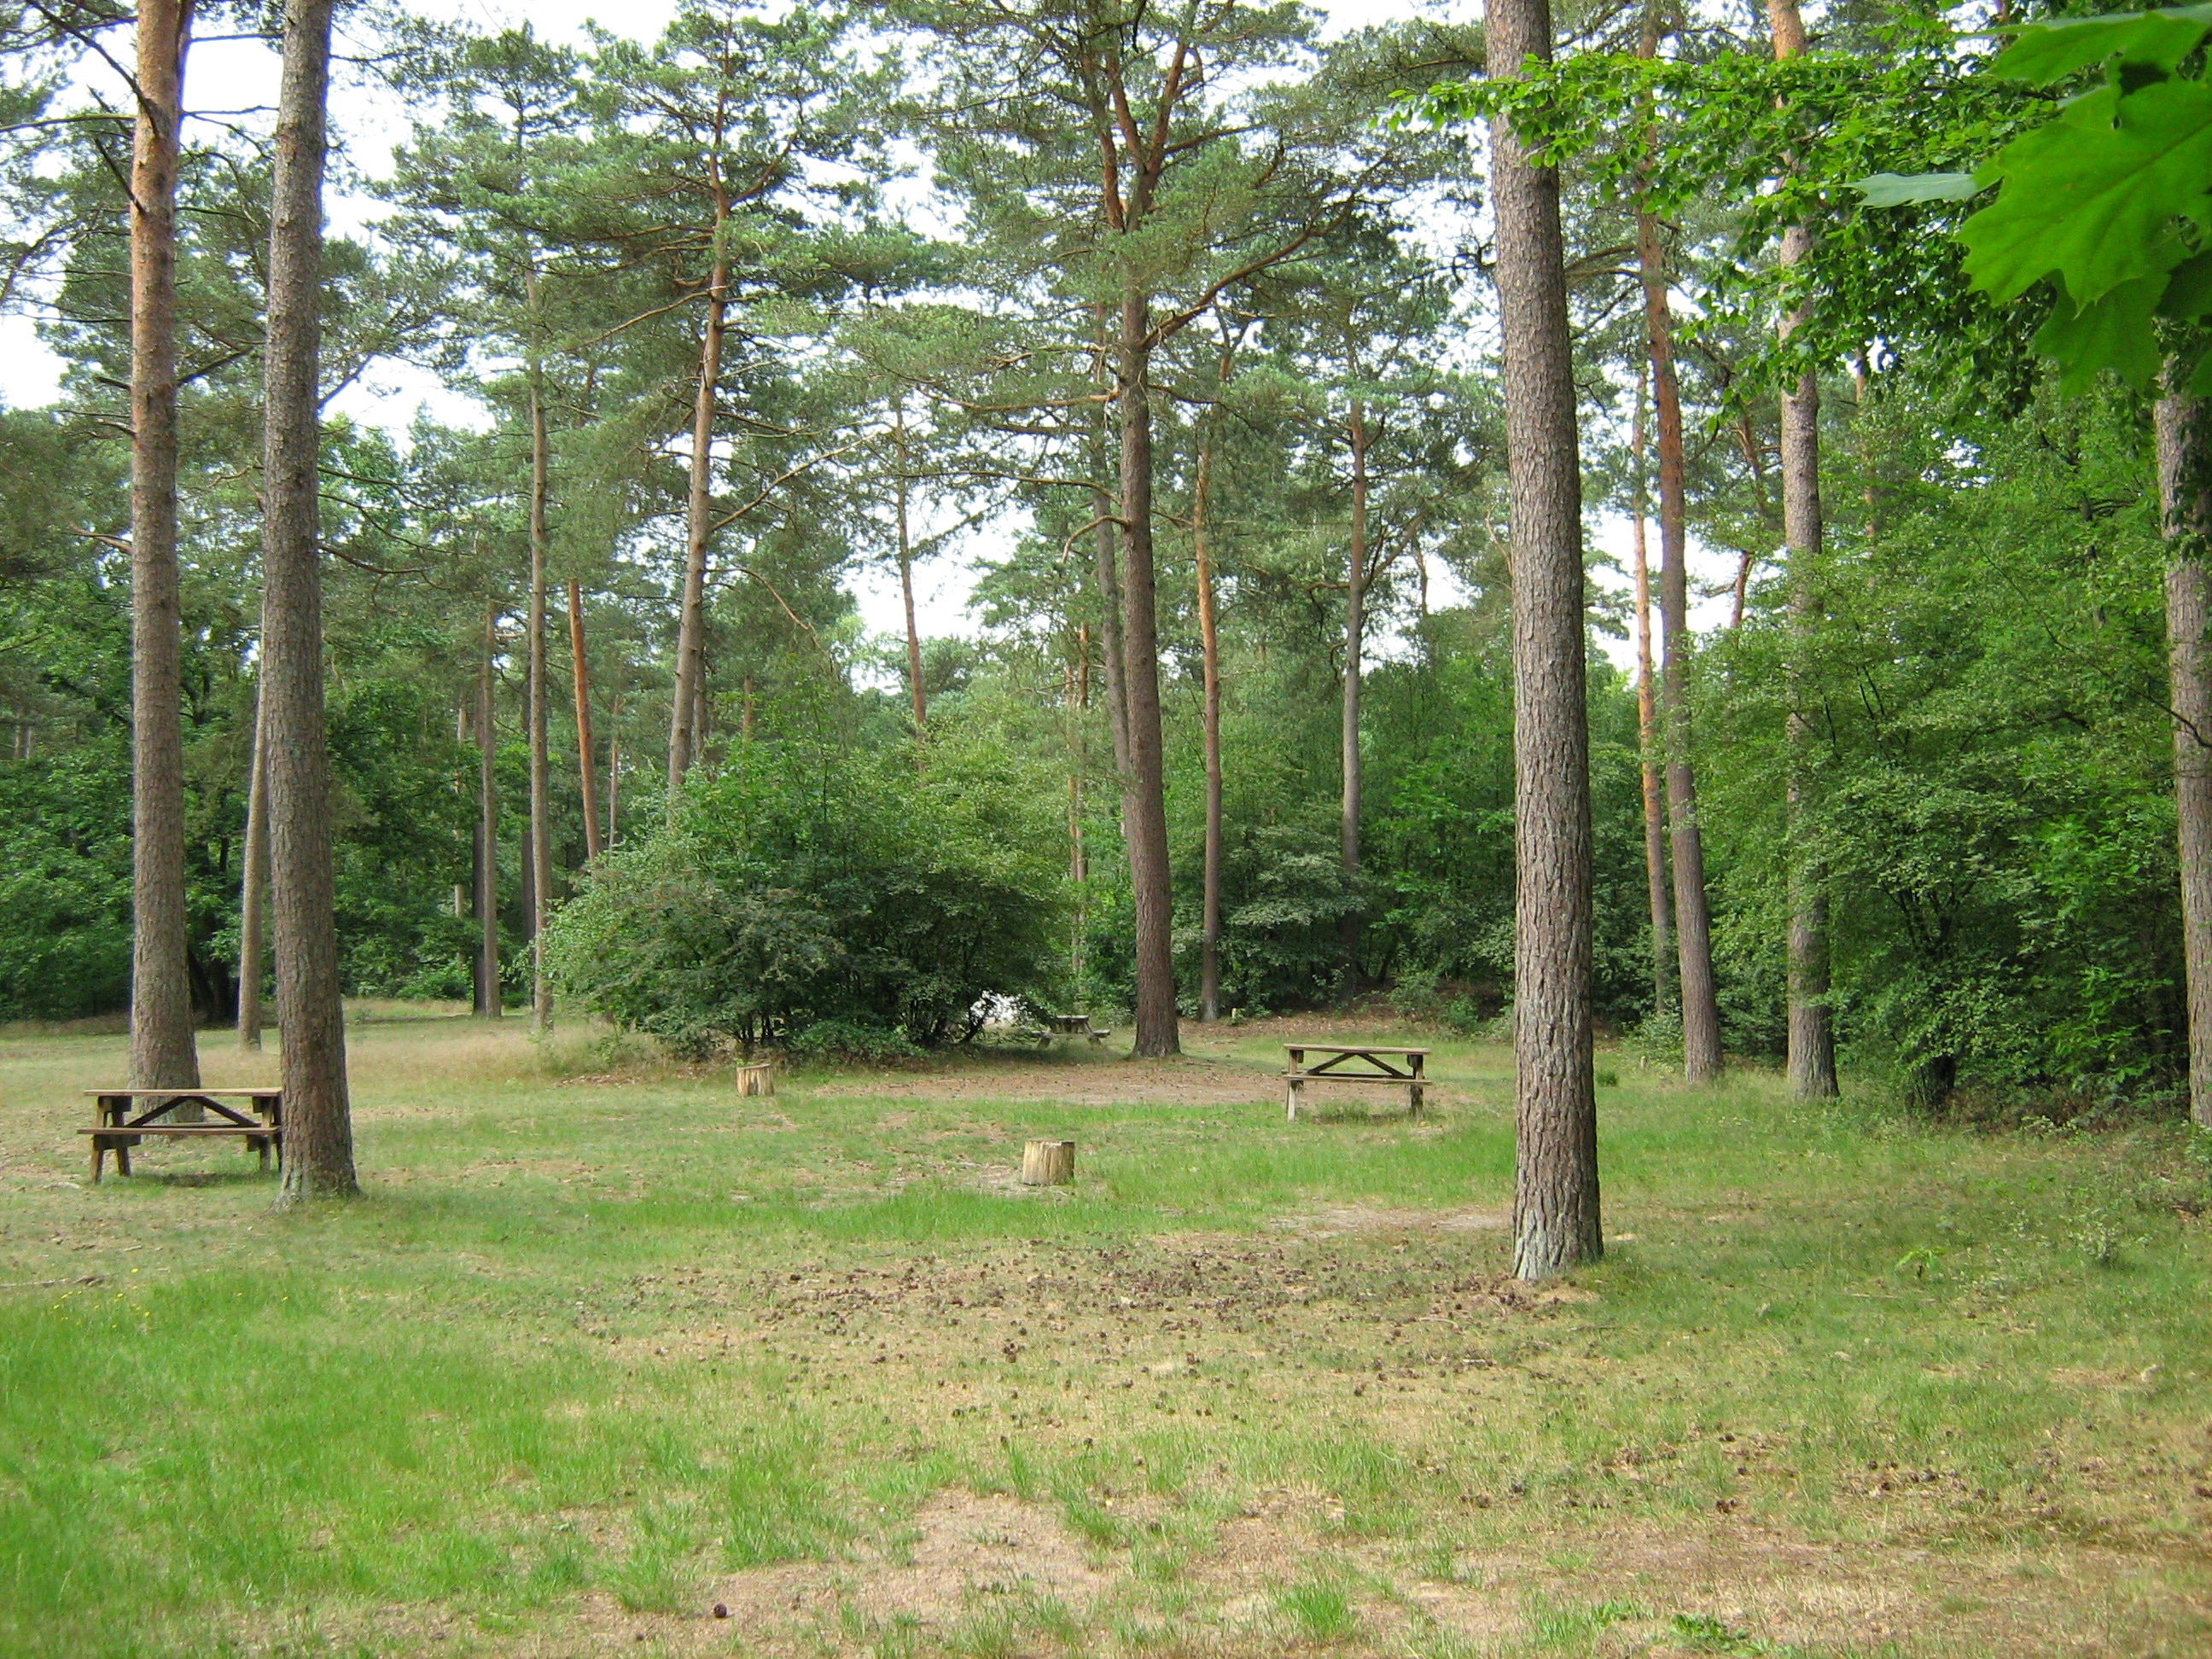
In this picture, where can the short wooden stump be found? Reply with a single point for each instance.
(1048, 1163)
(757, 1078)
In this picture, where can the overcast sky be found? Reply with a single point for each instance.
(236, 76)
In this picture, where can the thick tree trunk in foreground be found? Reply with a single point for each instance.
(541, 859)
(580, 676)
(1355, 642)
(1209, 640)
(1555, 1187)
(1701, 1028)
(1647, 734)
(2185, 488)
(698, 530)
(1812, 1038)
(164, 1050)
(1144, 784)
(254, 887)
(489, 999)
(318, 1117)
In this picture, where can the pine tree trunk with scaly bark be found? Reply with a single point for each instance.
(1555, 1188)
(164, 1047)
(2185, 487)
(318, 1114)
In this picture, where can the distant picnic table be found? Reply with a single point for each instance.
(1355, 1062)
(115, 1129)
(1075, 1025)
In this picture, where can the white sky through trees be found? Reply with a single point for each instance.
(368, 118)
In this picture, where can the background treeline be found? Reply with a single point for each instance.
(873, 834)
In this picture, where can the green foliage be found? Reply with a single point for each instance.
(806, 887)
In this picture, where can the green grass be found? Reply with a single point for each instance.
(592, 1354)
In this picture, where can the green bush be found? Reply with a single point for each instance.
(813, 891)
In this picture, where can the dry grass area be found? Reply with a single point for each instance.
(606, 1348)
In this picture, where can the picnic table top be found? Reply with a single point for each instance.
(1351, 1048)
(192, 1094)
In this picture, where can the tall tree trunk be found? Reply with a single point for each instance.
(164, 1050)
(254, 888)
(1812, 1038)
(1555, 1182)
(1355, 642)
(698, 529)
(580, 674)
(1209, 947)
(614, 765)
(1647, 730)
(541, 861)
(1079, 856)
(488, 999)
(1701, 1028)
(914, 686)
(1143, 784)
(318, 1115)
(2185, 488)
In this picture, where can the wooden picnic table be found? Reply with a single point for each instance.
(1075, 1025)
(1356, 1062)
(114, 1129)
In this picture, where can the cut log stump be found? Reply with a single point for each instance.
(757, 1078)
(1048, 1163)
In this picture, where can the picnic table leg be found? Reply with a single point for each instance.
(261, 1145)
(122, 1158)
(99, 1157)
(1291, 1113)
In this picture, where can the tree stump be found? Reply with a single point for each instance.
(1048, 1163)
(756, 1078)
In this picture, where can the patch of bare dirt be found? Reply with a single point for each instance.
(1337, 1221)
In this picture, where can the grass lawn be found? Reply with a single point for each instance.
(604, 1346)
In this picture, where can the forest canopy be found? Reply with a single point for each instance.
(738, 324)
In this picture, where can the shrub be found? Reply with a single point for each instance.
(807, 888)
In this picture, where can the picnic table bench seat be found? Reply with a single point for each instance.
(1355, 1062)
(115, 1129)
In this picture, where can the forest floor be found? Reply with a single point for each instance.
(604, 1346)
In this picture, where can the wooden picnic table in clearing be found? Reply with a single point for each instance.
(1076, 1025)
(1356, 1062)
(115, 1129)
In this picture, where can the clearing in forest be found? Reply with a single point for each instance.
(606, 1346)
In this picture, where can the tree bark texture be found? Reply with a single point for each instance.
(586, 750)
(2185, 487)
(1647, 732)
(488, 999)
(698, 530)
(541, 861)
(254, 887)
(1812, 1063)
(1355, 642)
(164, 1050)
(1555, 1187)
(318, 1117)
(1209, 947)
(1144, 784)
(1701, 1032)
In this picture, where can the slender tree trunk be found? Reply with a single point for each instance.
(1555, 1184)
(164, 1050)
(1078, 861)
(1209, 949)
(1701, 1032)
(698, 530)
(541, 861)
(318, 1115)
(614, 764)
(1812, 1038)
(1143, 804)
(2185, 488)
(488, 999)
(580, 674)
(915, 691)
(1647, 731)
(1355, 642)
(254, 889)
